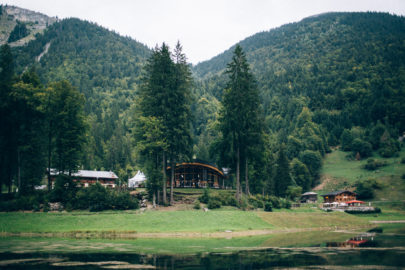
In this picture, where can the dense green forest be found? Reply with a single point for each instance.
(336, 79)
(331, 79)
(106, 68)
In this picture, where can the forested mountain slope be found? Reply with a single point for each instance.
(106, 68)
(347, 68)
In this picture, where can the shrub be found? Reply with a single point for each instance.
(214, 203)
(230, 200)
(204, 198)
(403, 160)
(275, 202)
(294, 192)
(364, 190)
(373, 164)
(362, 147)
(197, 205)
(123, 201)
(268, 207)
(284, 203)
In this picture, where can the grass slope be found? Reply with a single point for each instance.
(338, 173)
(190, 221)
(150, 221)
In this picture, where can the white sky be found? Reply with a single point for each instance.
(204, 27)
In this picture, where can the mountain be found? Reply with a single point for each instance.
(12, 19)
(347, 68)
(103, 65)
(328, 79)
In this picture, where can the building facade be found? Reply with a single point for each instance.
(340, 196)
(85, 178)
(197, 174)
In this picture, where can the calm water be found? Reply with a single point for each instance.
(371, 251)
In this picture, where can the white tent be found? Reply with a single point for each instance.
(138, 179)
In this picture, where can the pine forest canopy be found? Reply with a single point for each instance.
(332, 79)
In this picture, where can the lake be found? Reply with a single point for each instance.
(306, 250)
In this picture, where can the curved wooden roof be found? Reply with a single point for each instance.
(202, 165)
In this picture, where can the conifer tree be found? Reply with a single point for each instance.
(69, 126)
(7, 138)
(239, 117)
(282, 177)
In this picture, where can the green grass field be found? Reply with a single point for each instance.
(150, 221)
(338, 173)
(177, 221)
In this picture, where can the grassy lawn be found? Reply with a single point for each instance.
(150, 221)
(317, 219)
(176, 221)
(338, 166)
(338, 172)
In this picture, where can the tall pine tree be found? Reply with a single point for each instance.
(240, 116)
(165, 97)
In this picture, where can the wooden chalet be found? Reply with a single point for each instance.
(340, 196)
(309, 197)
(197, 174)
(85, 178)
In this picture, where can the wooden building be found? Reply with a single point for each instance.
(197, 174)
(309, 197)
(85, 178)
(340, 196)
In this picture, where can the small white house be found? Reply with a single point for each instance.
(138, 179)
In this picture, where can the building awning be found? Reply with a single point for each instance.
(355, 201)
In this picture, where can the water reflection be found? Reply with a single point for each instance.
(368, 250)
(362, 240)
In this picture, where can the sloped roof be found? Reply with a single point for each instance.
(90, 174)
(95, 174)
(309, 193)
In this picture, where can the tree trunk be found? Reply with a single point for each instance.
(154, 199)
(49, 155)
(164, 178)
(173, 164)
(237, 174)
(18, 171)
(247, 177)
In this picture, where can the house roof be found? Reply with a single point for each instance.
(309, 193)
(95, 174)
(90, 174)
(334, 193)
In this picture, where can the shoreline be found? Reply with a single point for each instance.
(135, 235)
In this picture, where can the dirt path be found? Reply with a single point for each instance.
(386, 221)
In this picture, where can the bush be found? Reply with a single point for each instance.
(197, 205)
(204, 198)
(284, 203)
(376, 211)
(268, 207)
(214, 203)
(294, 192)
(364, 190)
(362, 147)
(373, 164)
(403, 160)
(123, 201)
(230, 200)
(275, 202)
